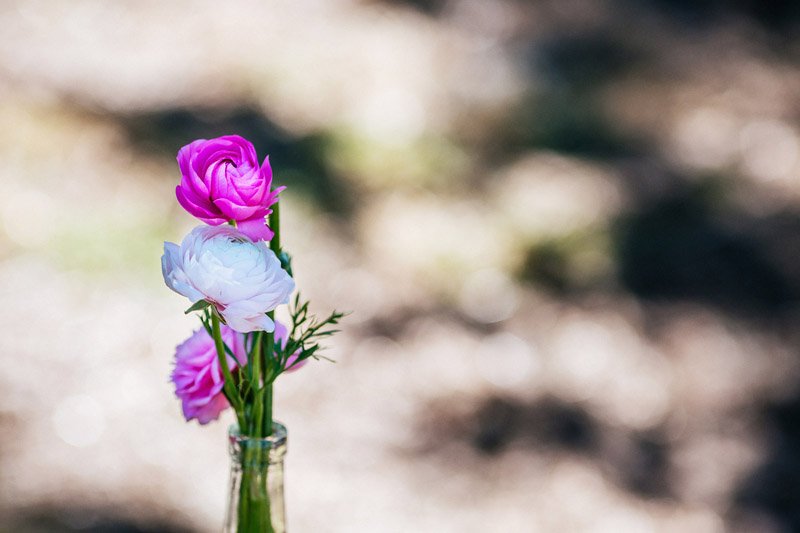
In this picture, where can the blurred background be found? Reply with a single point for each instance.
(568, 232)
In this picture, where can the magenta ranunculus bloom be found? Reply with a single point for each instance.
(197, 376)
(222, 180)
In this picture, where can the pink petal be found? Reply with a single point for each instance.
(256, 228)
(290, 363)
(194, 209)
(236, 212)
(266, 172)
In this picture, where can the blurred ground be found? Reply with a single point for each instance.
(569, 232)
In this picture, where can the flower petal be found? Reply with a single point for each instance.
(174, 276)
(256, 228)
(236, 211)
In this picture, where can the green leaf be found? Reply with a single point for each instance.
(286, 262)
(197, 306)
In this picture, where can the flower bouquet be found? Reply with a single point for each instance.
(235, 281)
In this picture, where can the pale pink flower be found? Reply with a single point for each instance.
(282, 336)
(197, 376)
(241, 278)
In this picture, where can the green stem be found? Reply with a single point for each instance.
(268, 410)
(254, 363)
(275, 225)
(229, 387)
(255, 513)
(269, 349)
(254, 369)
(269, 376)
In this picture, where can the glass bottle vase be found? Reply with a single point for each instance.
(256, 502)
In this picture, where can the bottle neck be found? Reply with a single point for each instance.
(256, 452)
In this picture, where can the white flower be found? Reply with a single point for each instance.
(241, 278)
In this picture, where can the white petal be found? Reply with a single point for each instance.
(173, 273)
(245, 322)
(221, 264)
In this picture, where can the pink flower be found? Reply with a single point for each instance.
(282, 336)
(222, 180)
(197, 376)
